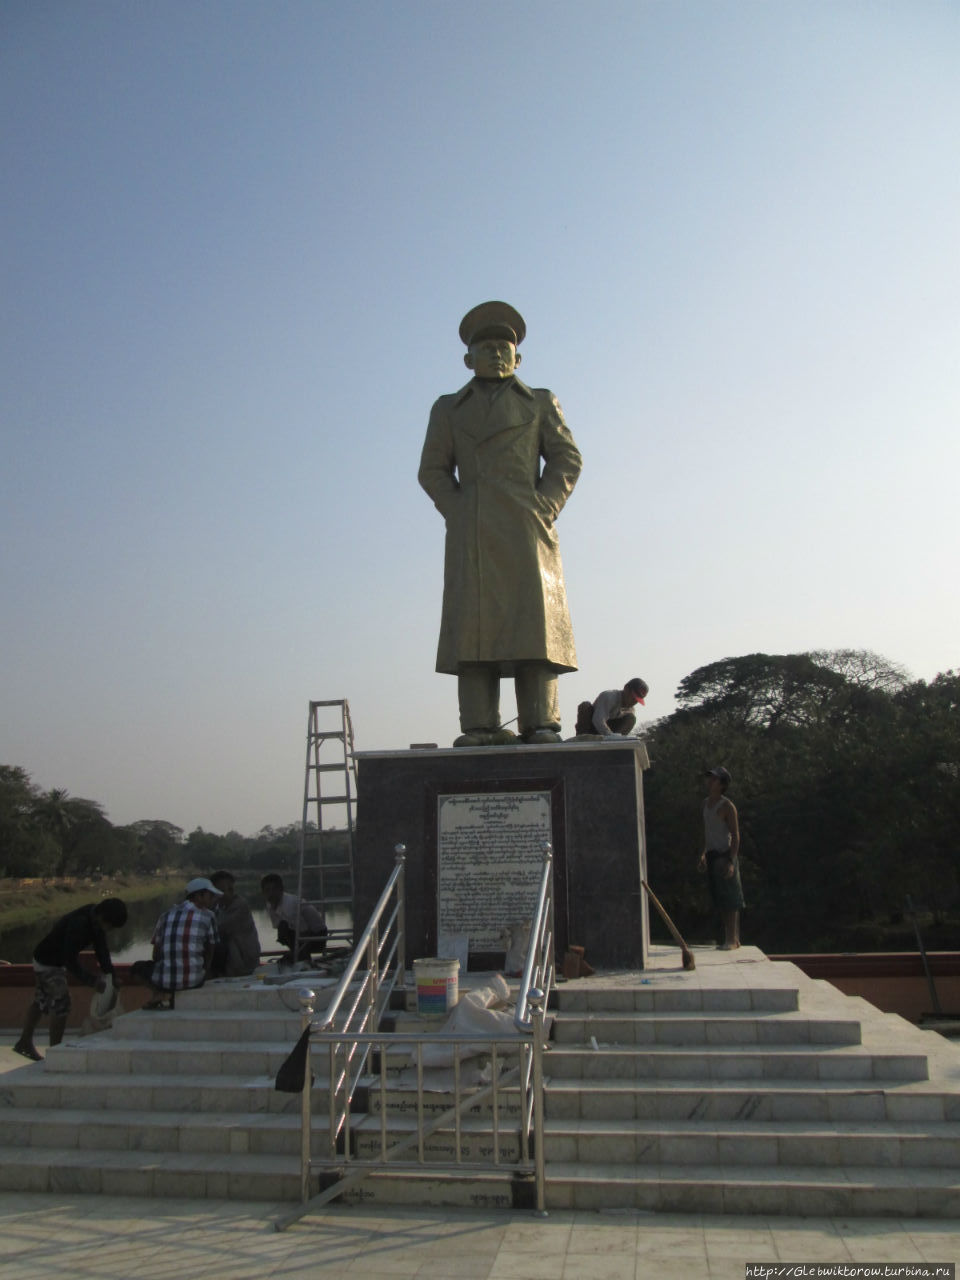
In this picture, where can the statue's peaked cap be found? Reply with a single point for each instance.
(493, 319)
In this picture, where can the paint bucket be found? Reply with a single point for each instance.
(438, 986)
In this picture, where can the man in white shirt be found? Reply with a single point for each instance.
(611, 712)
(284, 910)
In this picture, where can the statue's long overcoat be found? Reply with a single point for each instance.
(504, 600)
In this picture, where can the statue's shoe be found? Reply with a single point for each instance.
(502, 738)
(539, 736)
(486, 738)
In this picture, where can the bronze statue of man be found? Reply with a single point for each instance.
(504, 602)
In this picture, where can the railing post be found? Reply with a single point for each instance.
(306, 998)
(333, 1094)
(544, 978)
(536, 999)
(401, 852)
(373, 969)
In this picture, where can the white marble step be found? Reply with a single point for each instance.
(713, 1101)
(147, 1092)
(795, 1190)
(783, 1143)
(116, 1055)
(399, 1102)
(477, 1141)
(495, 1190)
(224, 996)
(189, 1132)
(136, 1173)
(704, 1028)
(688, 1143)
(209, 1026)
(772, 1062)
(679, 996)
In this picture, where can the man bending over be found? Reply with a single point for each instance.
(57, 955)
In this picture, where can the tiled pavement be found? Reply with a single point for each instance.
(119, 1238)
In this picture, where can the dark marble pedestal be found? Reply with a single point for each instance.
(595, 802)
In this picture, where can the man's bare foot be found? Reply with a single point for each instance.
(28, 1051)
(728, 946)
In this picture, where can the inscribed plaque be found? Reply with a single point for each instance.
(489, 862)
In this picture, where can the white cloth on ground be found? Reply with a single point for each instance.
(483, 1013)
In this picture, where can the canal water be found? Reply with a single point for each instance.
(132, 942)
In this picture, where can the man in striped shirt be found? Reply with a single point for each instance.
(183, 942)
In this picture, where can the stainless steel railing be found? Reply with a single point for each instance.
(539, 968)
(539, 971)
(361, 997)
(496, 1120)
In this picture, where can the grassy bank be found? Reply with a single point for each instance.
(25, 903)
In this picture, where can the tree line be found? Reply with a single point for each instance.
(846, 775)
(51, 834)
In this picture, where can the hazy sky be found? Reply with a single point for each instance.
(237, 239)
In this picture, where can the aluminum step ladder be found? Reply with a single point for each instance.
(327, 846)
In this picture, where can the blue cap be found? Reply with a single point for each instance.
(201, 883)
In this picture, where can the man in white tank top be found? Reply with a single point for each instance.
(720, 857)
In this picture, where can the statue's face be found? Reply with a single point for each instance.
(493, 358)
